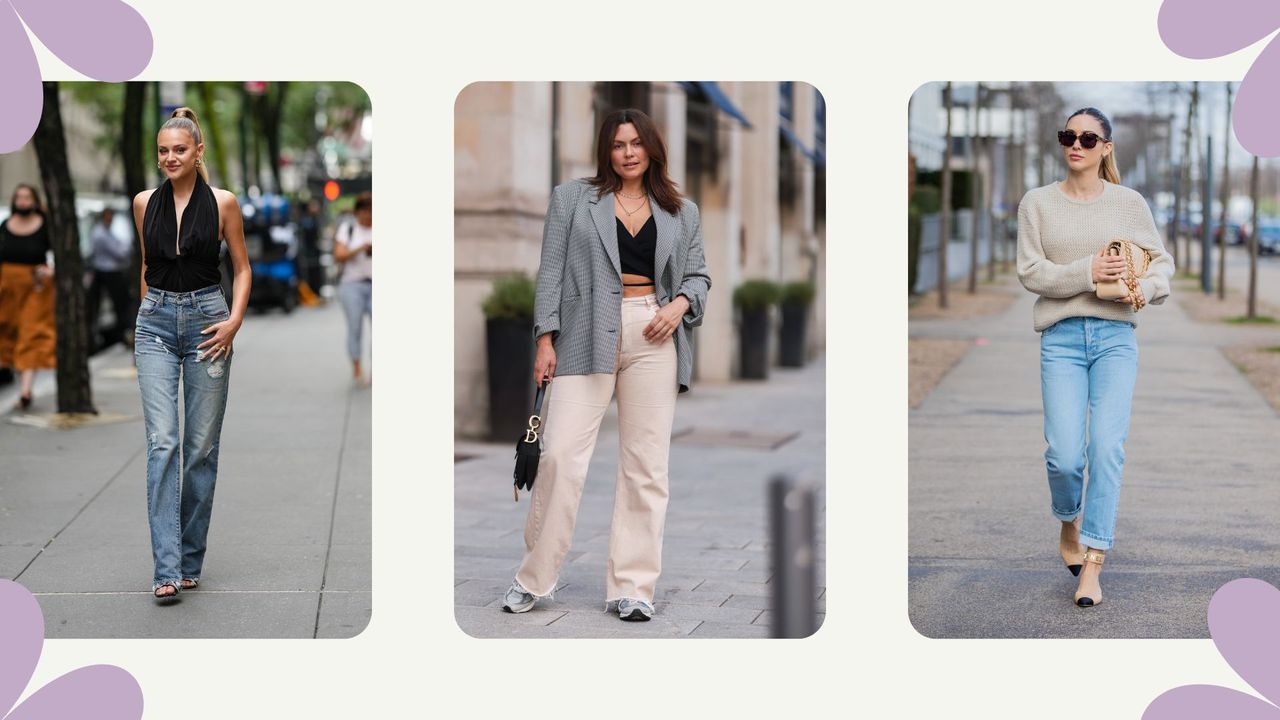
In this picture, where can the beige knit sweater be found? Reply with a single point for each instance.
(1058, 237)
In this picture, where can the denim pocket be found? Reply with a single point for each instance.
(213, 306)
(149, 305)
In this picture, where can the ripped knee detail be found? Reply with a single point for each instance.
(217, 368)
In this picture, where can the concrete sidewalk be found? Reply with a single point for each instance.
(1199, 505)
(289, 545)
(716, 579)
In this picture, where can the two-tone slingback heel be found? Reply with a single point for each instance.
(1090, 594)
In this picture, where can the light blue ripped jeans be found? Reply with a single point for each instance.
(180, 486)
(1087, 370)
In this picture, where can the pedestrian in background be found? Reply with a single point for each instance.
(109, 262)
(310, 223)
(353, 247)
(1088, 349)
(184, 338)
(621, 283)
(28, 335)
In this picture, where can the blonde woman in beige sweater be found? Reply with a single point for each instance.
(1088, 351)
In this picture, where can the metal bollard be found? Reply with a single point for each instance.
(795, 577)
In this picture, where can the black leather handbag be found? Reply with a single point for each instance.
(529, 449)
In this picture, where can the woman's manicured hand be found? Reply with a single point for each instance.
(544, 363)
(1107, 268)
(666, 320)
(218, 347)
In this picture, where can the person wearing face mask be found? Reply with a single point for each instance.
(1088, 348)
(28, 337)
(183, 339)
(621, 283)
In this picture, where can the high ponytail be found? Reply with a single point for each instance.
(1107, 169)
(184, 118)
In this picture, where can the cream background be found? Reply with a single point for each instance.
(867, 661)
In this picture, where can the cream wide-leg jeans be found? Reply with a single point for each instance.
(644, 383)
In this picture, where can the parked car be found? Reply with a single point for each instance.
(1269, 238)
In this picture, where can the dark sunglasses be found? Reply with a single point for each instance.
(1088, 140)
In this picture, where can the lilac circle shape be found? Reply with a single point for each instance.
(103, 39)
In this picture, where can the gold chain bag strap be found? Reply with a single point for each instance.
(1127, 285)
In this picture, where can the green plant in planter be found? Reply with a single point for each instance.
(799, 293)
(511, 299)
(756, 294)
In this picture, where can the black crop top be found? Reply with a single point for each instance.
(24, 249)
(196, 266)
(637, 253)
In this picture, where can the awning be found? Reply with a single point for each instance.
(794, 139)
(717, 97)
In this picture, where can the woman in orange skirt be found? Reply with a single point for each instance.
(27, 334)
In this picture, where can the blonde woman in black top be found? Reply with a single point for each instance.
(184, 336)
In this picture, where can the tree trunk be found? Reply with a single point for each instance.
(1183, 258)
(1225, 195)
(132, 147)
(944, 224)
(270, 109)
(988, 192)
(1252, 311)
(214, 148)
(74, 394)
(975, 188)
(247, 179)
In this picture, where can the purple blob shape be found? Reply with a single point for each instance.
(1197, 29)
(104, 39)
(21, 638)
(1196, 702)
(97, 691)
(20, 88)
(1257, 106)
(1244, 620)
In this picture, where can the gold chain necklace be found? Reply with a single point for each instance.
(631, 212)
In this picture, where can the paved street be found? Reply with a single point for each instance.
(1199, 506)
(716, 579)
(289, 546)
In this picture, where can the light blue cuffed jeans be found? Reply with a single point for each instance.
(357, 302)
(1087, 371)
(180, 486)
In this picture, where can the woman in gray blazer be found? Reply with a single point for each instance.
(621, 285)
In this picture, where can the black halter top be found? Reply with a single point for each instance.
(192, 262)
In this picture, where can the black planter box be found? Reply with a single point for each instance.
(510, 349)
(791, 335)
(754, 349)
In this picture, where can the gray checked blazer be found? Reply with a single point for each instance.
(579, 296)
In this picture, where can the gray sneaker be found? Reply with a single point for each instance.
(517, 599)
(634, 610)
